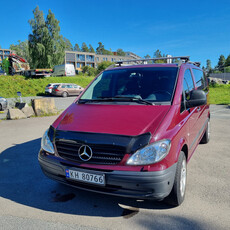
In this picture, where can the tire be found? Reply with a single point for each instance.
(64, 94)
(0, 107)
(205, 139)
(177, 195)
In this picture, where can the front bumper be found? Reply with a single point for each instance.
(134, 184)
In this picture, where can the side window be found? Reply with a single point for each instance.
(69, 86)
(188, 86)
(200, 79)
(63, 86)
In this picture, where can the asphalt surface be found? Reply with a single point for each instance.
(29, 200)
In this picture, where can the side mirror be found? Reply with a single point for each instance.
(197, 98)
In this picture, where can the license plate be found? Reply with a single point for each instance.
(92, 178)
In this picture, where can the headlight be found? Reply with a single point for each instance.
(150, 154)
(46, 143)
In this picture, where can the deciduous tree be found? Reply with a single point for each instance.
(76, 48)
(84, 47)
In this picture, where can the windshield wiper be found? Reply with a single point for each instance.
(137, 99)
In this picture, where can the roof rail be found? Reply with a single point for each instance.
(143, 61)
(195, 63)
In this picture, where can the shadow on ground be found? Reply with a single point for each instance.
(22, 181)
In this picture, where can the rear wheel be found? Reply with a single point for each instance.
(177, 195)
(205, 139)
(64, 94)
(0, 107)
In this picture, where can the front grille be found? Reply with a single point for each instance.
(102, 154)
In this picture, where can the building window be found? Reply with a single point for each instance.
(97, 58)
(78, 65)
(80, 57)
(90, 58)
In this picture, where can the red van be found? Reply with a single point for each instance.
(131, 132)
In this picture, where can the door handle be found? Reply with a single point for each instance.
(198, 109)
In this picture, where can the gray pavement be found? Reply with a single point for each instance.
(29, 200)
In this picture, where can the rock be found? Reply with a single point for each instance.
(44, 106)
(14, 114)
(28, 111)
(20, 105)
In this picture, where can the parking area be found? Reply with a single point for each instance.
(29, 200)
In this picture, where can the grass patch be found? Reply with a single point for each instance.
(220, 94)
(10, 85)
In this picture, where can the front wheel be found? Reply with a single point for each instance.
(177, 195)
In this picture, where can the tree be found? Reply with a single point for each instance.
(227, 61)
(103, 65)
(157, 54)
(147, 57)
(22, 50)
(76, 48)
(221, 63)
(84, 47)
(46, 45)
(120, 52)
(208, 66)
(91, 49)
(90, 71)
(68, 45)
(100, 49)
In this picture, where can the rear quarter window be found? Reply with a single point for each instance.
(200, 79)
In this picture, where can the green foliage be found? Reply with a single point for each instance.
(120, 52)
(227, 69)
(84, 47)
(46, 45)
(22, 49)
(103, 65)
(91, 49)
(101, 50)
(90, 71)
(10, 85)
(5, 65)
(68, 45)
(227, 61)
(76, 48)
(219, 94)
(157, 54)
(221, 63)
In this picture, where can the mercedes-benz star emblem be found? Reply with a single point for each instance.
(85, 153)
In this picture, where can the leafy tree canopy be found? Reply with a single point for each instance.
(76, 48)
(68, 45)
(84, 47)
(46, 45)
(22, 50)
(91, 49)
(120, 52)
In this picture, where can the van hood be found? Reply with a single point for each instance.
(112, 119)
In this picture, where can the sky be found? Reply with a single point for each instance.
(199, 29)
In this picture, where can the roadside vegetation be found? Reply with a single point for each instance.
(10, 85)
(220, 94)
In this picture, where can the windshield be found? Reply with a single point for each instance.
(153, 84)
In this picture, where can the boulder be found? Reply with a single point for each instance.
(28, 111)
(14, 114)
(20, 105)
(44, 106)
